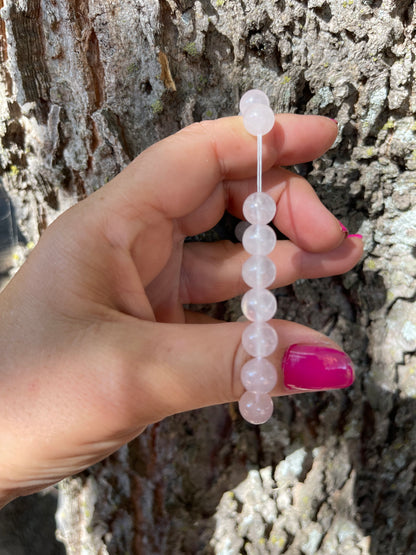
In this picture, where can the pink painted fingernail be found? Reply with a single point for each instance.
(316, 368)
(343, 228)
(333, 119)
(355, 235)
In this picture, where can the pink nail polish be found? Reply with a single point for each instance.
(343, 228)
(315, 368)
(355, 235)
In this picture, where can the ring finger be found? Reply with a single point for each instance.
(211, 272)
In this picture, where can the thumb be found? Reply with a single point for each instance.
(127, 373)
(179, 367)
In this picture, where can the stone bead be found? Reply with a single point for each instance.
(258, 305)
(259, 271)
(259, 339)
(259, 208)
(258, 375)
(240, 229)
(253, 96)
(258, 119)
(259, 239)
(256, 408)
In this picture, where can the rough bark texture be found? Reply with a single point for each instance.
(85, 86)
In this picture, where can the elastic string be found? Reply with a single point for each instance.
(259, 162)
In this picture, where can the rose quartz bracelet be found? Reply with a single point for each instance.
(259, 339)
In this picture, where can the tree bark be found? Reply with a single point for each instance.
(84, 87)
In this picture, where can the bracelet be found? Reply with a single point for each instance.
(258, 305)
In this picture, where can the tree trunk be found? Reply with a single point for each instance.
(85, 86)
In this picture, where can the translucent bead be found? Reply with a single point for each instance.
(259, 208)
(259, 305)
(259, 339)
(256, 408)
(259, 239)
(259, 271)
(258, 375)
(258, 119)
(253, 96)
(240, 229)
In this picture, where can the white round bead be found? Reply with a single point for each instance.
(259, 305)
(259, 208)
(259, 339)
(258, 375)
(240, 229)
(253, 96)
(259, 239)
(259, 271)
(258, 119)
(256, 408)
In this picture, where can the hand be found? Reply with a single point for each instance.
(94, 339)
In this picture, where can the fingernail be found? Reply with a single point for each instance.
(356, 235)
(333, 119)
(315, 368)
(343, 228)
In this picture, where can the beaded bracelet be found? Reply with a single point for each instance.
(258, 305)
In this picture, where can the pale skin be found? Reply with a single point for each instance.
(95, 342)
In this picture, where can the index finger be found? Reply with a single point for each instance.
(176, 175)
